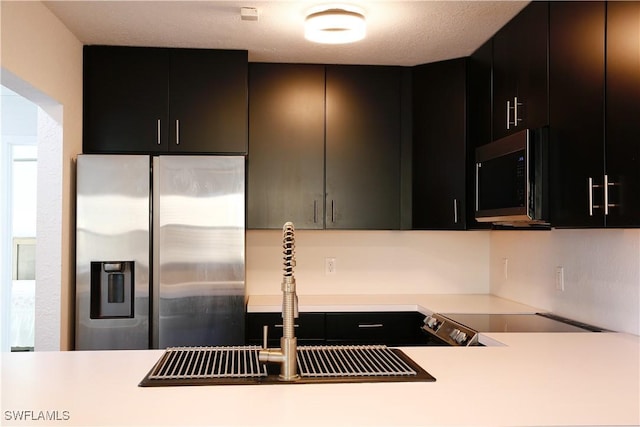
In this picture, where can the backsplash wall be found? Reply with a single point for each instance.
(373, 262)
(601, 267)
(601, 273)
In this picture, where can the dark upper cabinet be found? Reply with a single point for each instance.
(479, 96)
(125, 99)
(285, 169)
(622, 112)
(576, 111)
(154, 100)
(520, 97)
(363, 144)
(439, 145)
(208, 101)
(324, 146)
(594, 105)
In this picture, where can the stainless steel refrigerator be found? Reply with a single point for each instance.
(160, 251)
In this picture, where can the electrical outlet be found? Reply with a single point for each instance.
(329, 266)
(560, 279)
(505, 268)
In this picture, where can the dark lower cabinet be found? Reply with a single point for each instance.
(388, 328)
(158, 100)
(353, 328)
(309, 329)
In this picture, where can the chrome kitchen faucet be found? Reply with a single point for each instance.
(286, 354)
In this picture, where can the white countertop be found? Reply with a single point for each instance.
(533, 379)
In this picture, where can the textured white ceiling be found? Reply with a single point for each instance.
(398, 32)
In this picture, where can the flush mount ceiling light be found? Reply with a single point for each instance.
(335, 25)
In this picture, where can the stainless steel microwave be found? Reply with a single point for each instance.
(512, 180)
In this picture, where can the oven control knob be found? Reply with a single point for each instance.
(461, 338)
(431, 322)
(454, 334)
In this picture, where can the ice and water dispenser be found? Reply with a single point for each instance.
(112, 289)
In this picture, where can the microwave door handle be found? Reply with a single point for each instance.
(527, 171)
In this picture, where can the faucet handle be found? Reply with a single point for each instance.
(265, 336)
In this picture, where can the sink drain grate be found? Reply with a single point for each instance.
(209, 362)
(351, 361)
(316, 364)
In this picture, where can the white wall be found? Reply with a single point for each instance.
(601, 273)
(40, 56)
(372, 262)
(601, 267)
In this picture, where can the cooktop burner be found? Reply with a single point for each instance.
(538, 322)
(462, 329)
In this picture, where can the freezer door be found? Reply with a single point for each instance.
(112, 252)
(199, 250)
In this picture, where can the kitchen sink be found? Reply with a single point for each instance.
(181, 366)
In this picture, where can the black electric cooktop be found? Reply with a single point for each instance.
(534, 322)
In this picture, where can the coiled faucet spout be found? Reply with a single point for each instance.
(286, 354)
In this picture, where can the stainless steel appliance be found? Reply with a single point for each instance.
(464, 329)
(512, 180)
(160, 249)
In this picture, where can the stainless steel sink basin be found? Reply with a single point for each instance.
(316, 364)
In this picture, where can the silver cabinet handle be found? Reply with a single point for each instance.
(333, 212)
(478, 166)
(508, 114)
(315, 211)
(608, 184)
(158, 133)
(370, 325)
(590, 189)
(606, 195)
(455, 211)
(177, 132)
(515, 111)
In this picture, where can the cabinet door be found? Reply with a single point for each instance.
(439, 145)
(520, 71)
(363, 147)
(286, 159)
(309, 328)
(125, 100)
(387, 328)
(208, 101)
(479, 97)
(478, 116)
(623, 113)
(576, 111)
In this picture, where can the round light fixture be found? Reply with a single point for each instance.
(334, 25)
